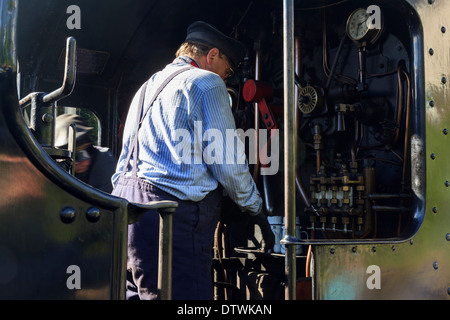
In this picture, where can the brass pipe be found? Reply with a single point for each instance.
(318, 145)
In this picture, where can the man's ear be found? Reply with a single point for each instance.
(212, 54)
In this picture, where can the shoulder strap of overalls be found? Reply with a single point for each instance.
(141, 113)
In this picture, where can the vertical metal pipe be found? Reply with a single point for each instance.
(165, 255)
(256, 118)
(289, 144)
(72, 146)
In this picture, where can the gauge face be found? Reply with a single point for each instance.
(357, 24)
(361, 27)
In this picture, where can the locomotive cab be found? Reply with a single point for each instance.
(348, 94)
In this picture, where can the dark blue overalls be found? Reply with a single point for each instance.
(194, 224)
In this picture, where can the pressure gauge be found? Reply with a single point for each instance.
(364, 27)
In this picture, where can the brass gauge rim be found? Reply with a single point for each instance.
(370, 35)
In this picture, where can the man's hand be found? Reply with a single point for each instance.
(268, 236)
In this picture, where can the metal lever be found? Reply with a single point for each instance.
(257, 91)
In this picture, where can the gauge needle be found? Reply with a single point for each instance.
(363, 21)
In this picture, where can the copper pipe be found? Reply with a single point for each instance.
(318, 162)
(405, 146)
(302, 191)
(318, 145)
(408, 103)
(326, 68)
(308, 262)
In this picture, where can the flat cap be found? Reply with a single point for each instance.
(205, 33)
(62, 129)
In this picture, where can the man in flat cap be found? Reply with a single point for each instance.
(164, 157)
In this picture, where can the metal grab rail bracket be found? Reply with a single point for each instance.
(165, 208)
(69, 77)
(165, 255)
(69, 74)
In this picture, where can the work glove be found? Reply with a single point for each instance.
(267, 234)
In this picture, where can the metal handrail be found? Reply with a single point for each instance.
(68, 81)
(290, 143)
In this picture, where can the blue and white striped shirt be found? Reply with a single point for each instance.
(182, 139)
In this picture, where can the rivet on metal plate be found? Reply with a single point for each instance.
(67, 214)
(93, 214)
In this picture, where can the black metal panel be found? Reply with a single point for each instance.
(39, 245)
